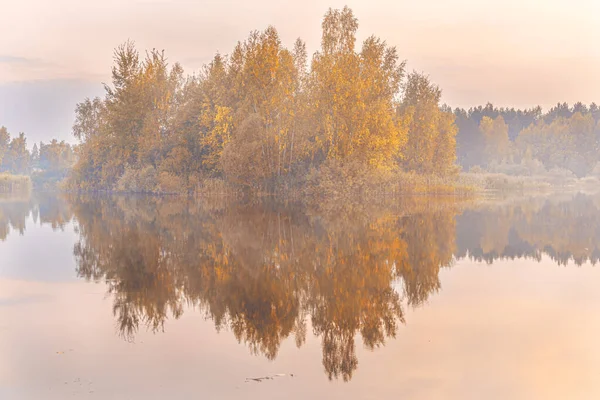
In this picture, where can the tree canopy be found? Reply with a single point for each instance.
(262, 116)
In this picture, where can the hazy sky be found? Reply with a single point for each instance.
(511, 52)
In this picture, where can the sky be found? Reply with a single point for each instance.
(518, 53)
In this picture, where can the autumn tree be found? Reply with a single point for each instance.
(431, 144)
(132, 126)
(215, 118)
(354, 95)
(16, 157)
(264, 80)
(495, 136)
(260, 118)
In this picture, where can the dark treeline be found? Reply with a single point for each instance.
(529, 142)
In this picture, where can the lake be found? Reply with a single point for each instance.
(126, 297)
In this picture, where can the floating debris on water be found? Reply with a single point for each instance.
(270, 377)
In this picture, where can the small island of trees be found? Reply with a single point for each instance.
(267, 119)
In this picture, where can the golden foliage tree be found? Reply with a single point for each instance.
(431, 144)
(354, 95)
(260, 118)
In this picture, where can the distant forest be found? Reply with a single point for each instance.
(529, 141)
(266, 118)
(46, 163)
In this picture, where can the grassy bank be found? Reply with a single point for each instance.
(332, 180)
(503, 183)
(14, 183)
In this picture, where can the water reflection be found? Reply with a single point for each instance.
(269, 271)
(264, 270)
(566, 228)
(41, 208)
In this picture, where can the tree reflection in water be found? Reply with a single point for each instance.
(268, 271)
(265, 270)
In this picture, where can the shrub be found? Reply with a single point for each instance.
(170, 184)
(214, 186)
(342, 181)
(138, 180)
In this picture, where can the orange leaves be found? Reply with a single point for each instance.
(261, 119)
(431, 142)
(354, 95)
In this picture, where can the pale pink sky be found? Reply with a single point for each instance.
(513, 52)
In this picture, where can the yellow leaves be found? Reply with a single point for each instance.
(431, 145)
(354, 100)
(223, 123)
(262, 112)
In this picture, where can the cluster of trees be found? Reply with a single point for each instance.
(54, 156)
(528, 141)
(266, 117)
(47, 163)
(14, 184)
(14, 155)
(51, 163)
(262, 117)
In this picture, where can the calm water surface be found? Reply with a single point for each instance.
(147, 298)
